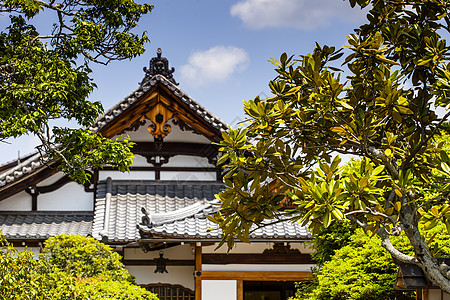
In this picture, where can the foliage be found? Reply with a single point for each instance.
(24, 276)
(384, 114)
(360, 270)
(45, 76)
(84, 257)
(328, 240)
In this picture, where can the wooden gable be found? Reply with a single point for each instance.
(159, 105)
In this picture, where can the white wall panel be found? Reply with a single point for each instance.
(140, 161)
(219, 289)
(18, 202)
(188, 176)
(189, 161)
(134, 175)
(69, 197)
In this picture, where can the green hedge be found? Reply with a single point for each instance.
(70, 267)
(361, 268)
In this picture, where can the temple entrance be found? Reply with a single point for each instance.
(268, 290)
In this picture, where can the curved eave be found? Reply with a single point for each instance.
(25, 181)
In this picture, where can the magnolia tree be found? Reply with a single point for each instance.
(384, 113)
(45, 75)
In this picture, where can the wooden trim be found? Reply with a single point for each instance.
(240, 290)
(425, 295)
(37, 176)
(253, 275)
(169, 262)
(159, 94)
(223, 259)
(169, 169)
(198, 267)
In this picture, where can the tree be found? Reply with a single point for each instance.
(385, 114)
(70, 267)
(361, 268)
(45, 76)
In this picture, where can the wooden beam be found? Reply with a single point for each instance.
(152, 262)
(169, 262)
(240, 290)
(168, 169)
(29, 180)
(253, 275)
(223, 259)
(198, 268)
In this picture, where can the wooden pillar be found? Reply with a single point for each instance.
(425, 294)
(240, 290)
(198, 268)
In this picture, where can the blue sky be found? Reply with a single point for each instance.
(220, 50)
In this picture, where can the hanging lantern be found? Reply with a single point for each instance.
(161, 263)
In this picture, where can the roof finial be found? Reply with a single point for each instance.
(159, 65)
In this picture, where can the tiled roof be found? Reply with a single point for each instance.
(196, 226)
(28, 166)
(34, 162)
(123, 105)
(44, 224)
(128, 197)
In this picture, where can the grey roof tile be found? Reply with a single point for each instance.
(128, 197)
(43, 224)
(198, 109)
(196, 225)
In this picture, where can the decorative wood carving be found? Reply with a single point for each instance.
(135, 126)
(183, 126)
(280, 248)
(159, 116)
(159, 154)
(158, 160)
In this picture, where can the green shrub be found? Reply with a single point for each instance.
(361, 268)
(84, 257)
(70, 267)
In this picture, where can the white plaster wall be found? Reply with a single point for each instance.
(219, 289)
(177, 135)
(256, 247)
(69, 197)
(183, 275)
(177, 252)
(188, 176)
(189, 161)
(437, 294)
(259, 267)
(140, 161)
(35, 250)
(134, 175)
(18, 202)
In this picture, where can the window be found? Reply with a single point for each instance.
(268, 290)
(170, 291)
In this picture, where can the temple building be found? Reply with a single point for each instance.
(155, 216)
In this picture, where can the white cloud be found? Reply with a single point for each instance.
(216, 64)
(301, 14)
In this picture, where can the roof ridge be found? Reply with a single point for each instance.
(126, 102)
(180, 214)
